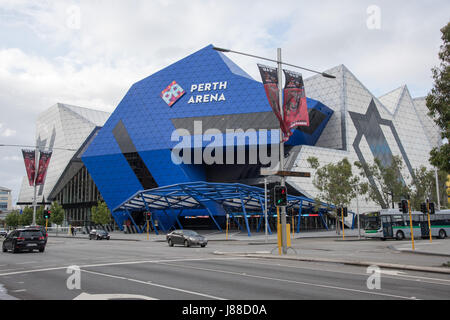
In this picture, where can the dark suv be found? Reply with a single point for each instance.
(40, 228)
(24, 239)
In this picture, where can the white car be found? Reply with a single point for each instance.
(3, 232)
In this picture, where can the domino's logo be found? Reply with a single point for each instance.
(172, 93)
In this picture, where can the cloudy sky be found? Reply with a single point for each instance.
(88, 53)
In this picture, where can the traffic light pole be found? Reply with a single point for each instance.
(283, 183)
(265, 208)
(429, 220)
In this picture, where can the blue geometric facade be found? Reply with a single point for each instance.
(132, 151)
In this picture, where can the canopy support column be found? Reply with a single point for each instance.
(245, 214)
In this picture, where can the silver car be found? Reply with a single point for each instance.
(187, 238)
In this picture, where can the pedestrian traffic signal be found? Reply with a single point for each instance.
(432, 211)
(280, 196)
(423, 208)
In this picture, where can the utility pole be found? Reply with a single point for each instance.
(265, 208)
(283, 179)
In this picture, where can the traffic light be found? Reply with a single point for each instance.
(269, 198)
(423, 208)
(280, 196)
(47, 214)
(404, 206)
(432, 211)
(345, 212)
(148, 215)
(339, 211)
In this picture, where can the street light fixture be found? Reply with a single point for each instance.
(324, 74)
(280, 97)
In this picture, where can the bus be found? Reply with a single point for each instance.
(393, 224)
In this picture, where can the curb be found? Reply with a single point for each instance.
(419, 252)
(82, 238)
(346, 262)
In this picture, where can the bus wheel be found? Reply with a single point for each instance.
(400, 235)
(442, 234)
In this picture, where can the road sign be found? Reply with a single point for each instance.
(266, 172)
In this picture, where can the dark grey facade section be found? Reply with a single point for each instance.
(133, 157)
(369, 126)
(244, 121)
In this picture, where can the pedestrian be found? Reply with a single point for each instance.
(71, 230)
(74, 231)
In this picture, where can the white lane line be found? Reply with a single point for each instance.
(115, 264)
(386, 274)
(155, 285)
(290, 281)
(20, 290)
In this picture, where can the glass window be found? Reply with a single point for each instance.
(30, 233)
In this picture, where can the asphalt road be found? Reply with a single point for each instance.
(152, 270)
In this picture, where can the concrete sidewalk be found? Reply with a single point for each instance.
(438, 247)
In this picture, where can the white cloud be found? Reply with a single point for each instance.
(8, 133)
(12, 158)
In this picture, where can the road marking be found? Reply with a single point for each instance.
(387, 273)
(20, 290)
(116, 264)
(155, 285)
(87, 296)
(289, 281)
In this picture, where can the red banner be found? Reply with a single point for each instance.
(269, 77)
(294, 105)
(30, 164)
(44, 160)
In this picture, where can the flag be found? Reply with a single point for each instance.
(30, 164)
(44, 160)
(269, 77)
(295, 110)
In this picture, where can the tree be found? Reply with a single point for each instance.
(385, 182)
(12, 219)
(57, 214)
(336, 182)
(26, 218)
(100, 213)
(40, 220)
(423, 185)
(438, 102)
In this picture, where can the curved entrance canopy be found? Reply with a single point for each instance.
(232, 197)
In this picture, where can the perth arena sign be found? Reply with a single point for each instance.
(207, 92)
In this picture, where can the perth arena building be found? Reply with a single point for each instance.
(187, 144)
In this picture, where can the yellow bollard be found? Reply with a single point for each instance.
(226, 227)
(279, 231)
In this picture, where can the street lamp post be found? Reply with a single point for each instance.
(280, 97)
